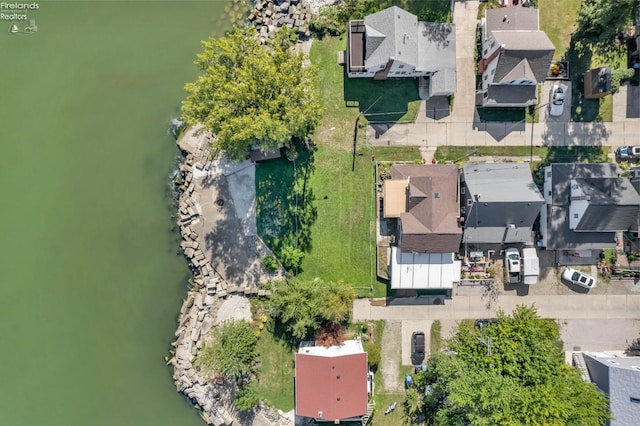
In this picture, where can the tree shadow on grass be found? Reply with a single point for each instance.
(579, 56)
(285, 202)
(381, 100)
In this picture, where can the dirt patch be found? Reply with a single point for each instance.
(236, 308)
(391, 355)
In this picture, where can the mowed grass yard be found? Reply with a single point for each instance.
(276, 372)
(335, 185)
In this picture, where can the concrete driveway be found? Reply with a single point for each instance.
(543, 115)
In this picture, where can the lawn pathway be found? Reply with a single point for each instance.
(391, 355)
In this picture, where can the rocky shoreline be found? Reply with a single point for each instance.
(200, 310)
(208, 290)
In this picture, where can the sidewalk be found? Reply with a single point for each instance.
(470, 133)
(606, 306)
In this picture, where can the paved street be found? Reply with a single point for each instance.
(587, 322)
(462, 126)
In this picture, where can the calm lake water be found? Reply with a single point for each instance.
(91, 283)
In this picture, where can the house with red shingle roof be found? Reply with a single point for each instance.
(333, 384)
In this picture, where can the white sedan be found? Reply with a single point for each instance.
(556, 101)
(578, 278)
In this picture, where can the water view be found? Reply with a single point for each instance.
(91, 283)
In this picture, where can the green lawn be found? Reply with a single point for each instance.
(397, 153)
(558, 21)
(559, 154)
(276, 372)
(435, 339)
(445, 153)
(327, 206)
(394, 99)
(502, 114)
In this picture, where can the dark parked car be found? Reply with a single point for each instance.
(481, 323)
(417, 347)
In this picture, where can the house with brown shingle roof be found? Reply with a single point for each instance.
(333, 383)
(425, 201)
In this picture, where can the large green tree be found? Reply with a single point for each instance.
(602, 19)
(252, 94)
(301, 308)
(231, 352)
(511, 372)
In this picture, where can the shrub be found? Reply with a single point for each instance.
(269, 263)
(291, 258)
(246, 398)
(618, 76)
(373, 354)
(332, 19)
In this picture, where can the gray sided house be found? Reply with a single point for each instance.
(424, 200)
(619, 378)
(586, 205)
(393, 43)
(500, 202)
(516, 57)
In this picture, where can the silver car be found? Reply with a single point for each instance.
(578, 278)
(556, 104)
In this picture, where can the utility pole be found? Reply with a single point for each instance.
(487, 343)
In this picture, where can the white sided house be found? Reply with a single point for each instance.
(393, 43)
(516, 57)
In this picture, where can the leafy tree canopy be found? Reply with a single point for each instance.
(603, 19)
(250, 94)
(509, 373)
(232, 351)
(301, 308)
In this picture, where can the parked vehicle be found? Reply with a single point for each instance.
(512, 266)
(629, 153)
(482, 323)
(408, 381)
(391, 408)
(578, 278)
(556, 100)
(417, 347)
(530, 266)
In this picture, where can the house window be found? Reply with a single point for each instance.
(635, 400)
(576, 215)
(381, 67)
(493, 44)
(486, 77)
(549, 173)
(493, 71)
(400, 66)
(463, 190)
(469, 201)
(485, 51)
(549, 193)
(463, 210)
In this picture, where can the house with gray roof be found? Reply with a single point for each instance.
(393, 43)
(619, 378)
(516, 57)
(586, 206)
(499, 203)
(425, 202)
